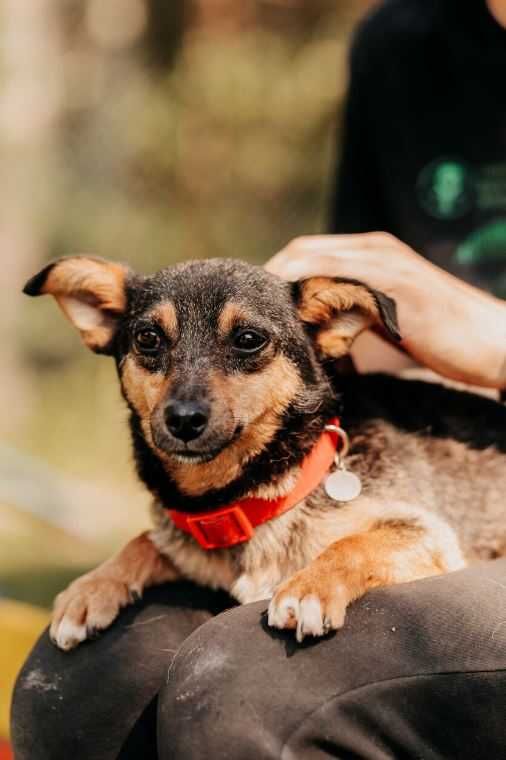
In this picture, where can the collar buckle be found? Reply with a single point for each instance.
(222, 528)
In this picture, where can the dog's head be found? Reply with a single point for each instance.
(215, 357)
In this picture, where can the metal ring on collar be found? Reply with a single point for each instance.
(343, 436)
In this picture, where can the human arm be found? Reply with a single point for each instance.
(447, 325)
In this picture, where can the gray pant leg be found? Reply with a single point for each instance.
(419, 671)
(91, 703)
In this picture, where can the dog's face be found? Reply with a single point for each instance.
(213, 354)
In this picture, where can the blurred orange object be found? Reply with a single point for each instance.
(5, 751)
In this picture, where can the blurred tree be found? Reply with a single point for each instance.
(165, 30)
(285, 17)
(30, 104)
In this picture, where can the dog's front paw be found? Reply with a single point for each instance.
(87, 606)
(310, 603)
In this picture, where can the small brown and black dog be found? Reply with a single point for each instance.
(229, 374)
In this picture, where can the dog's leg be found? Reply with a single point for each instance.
(393, 550)
(93, 601)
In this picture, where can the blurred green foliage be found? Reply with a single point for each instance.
(225, 152)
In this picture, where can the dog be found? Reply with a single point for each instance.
(231, 378)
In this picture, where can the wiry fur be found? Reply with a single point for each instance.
(432, 460)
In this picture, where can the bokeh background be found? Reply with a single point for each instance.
(148, 131)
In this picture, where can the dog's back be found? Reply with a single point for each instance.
(441, 447)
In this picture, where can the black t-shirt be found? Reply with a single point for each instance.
(424, 145)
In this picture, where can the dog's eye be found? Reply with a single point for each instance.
(147, 341)
(248, 341)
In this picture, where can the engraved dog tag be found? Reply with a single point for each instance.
(343, 485)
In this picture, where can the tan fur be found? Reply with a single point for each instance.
(92, 601)
(89, 292)
(103, 279)
(343, 310)
(144, 389)
(166, 316)
(257, 402)
(283, 546)
(333, 343)
(416, 516)
(232, 315)
(382, 556)
(322, 297)
(401, 531)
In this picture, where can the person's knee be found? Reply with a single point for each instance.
(207, 707)
(218, 654)
(69, 704)
(238, 689)
(39, 726)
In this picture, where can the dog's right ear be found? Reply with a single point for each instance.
(337, 310)
(90, 292)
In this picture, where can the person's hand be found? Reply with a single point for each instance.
(446, 324)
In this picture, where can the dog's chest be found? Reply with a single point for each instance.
(403, 477)
(252, 570)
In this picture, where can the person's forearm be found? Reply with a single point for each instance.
(473, 321)
(490, 340)
(446, 324)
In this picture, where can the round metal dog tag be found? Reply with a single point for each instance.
(343, 485)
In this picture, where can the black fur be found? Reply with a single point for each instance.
(386, 306)
(295, 438)
(199, 290)
(424, 409)
(35, 284)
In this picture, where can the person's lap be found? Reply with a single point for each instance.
(100, 699)
(419, 670)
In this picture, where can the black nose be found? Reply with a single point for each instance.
(186, 420)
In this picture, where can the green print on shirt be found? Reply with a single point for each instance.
(485, 250)
(446, 188)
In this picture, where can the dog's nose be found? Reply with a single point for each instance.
(186, 420)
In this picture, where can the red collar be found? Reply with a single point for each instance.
(227, 526)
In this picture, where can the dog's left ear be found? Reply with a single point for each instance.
(340, 309)
(90, 292)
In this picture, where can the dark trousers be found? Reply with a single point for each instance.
(419, 671)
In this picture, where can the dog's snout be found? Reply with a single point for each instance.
(186, 420)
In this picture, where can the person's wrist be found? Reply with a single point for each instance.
(500, 362)
(490, 339)
(476, 348)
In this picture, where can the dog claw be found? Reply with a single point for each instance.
(86, 608)
(66, 635)
(306, 614)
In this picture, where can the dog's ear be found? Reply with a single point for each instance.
(91, 293)
(338, 309)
